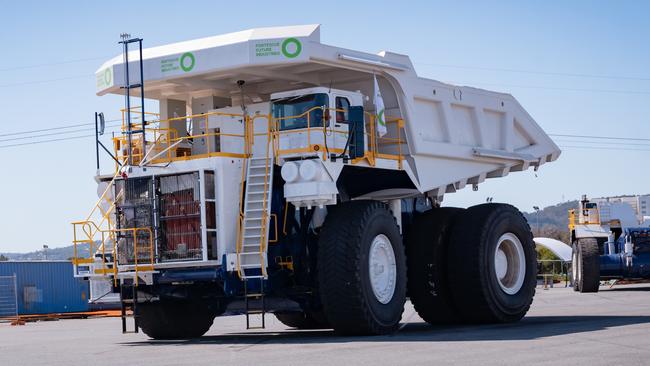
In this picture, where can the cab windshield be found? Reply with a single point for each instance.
(297, 108)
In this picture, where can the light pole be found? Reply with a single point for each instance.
(45, 248)
(536, 208)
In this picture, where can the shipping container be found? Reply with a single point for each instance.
(45, 287)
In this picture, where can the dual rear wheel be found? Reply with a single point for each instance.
(476, 265)
(471, 266)
(585, 265)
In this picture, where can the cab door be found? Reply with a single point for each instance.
(339, 129)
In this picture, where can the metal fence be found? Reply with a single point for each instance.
(8, 298)
(549, 270)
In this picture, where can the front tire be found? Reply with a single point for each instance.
(362, 269)
(492, 264)
(586, 253)
(575, 272)
(174, 320)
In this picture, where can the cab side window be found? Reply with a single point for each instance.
(342, 108)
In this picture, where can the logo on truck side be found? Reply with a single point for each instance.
(289, 48)
(185, 62)
(104, 79)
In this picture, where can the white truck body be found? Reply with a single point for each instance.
(270, 164)
(455, 135)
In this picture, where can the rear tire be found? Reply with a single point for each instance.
(492, 264)
(427, 265)
(356, 301)
(174, 320)
(575, 281)
(588, 266)
(303, 320)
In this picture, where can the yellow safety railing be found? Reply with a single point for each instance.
(572, 219)
(268, 146)
(148, 247)
(164, 144)
(87, 232)
(240, 221)
(90, 233)
(590, 216)
(110, 263)
(159, 143)
(374, 142)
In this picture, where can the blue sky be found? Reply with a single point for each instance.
(483, 44)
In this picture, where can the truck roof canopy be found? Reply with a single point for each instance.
(268, 59)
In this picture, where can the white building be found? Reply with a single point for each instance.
(639, 204)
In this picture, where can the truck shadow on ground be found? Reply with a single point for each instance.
(627, 289)
(531, 327)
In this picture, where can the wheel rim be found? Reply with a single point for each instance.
(510, 263)
(574, 266)
(382, 268)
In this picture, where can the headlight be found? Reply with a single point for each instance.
(309, 170)
(289, 172)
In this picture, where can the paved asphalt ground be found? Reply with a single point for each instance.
(611, 327)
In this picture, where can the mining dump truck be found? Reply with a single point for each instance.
(282, 175)
(603, 249)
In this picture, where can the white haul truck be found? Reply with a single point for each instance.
(287, 176)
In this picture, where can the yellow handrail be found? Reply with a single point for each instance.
(165, 137)
(165, 145)
(114, 262)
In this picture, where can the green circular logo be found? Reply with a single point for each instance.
(291, 47)
(108, 76)
(187, 61)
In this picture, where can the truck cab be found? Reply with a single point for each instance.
(313, 117)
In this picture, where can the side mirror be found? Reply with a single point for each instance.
(102, 123)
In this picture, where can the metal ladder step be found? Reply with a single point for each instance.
(257, 296)
(127, 305)
(258, 186)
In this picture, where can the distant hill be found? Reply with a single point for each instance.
(553, 222)
(63, 253)
(555, 216)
